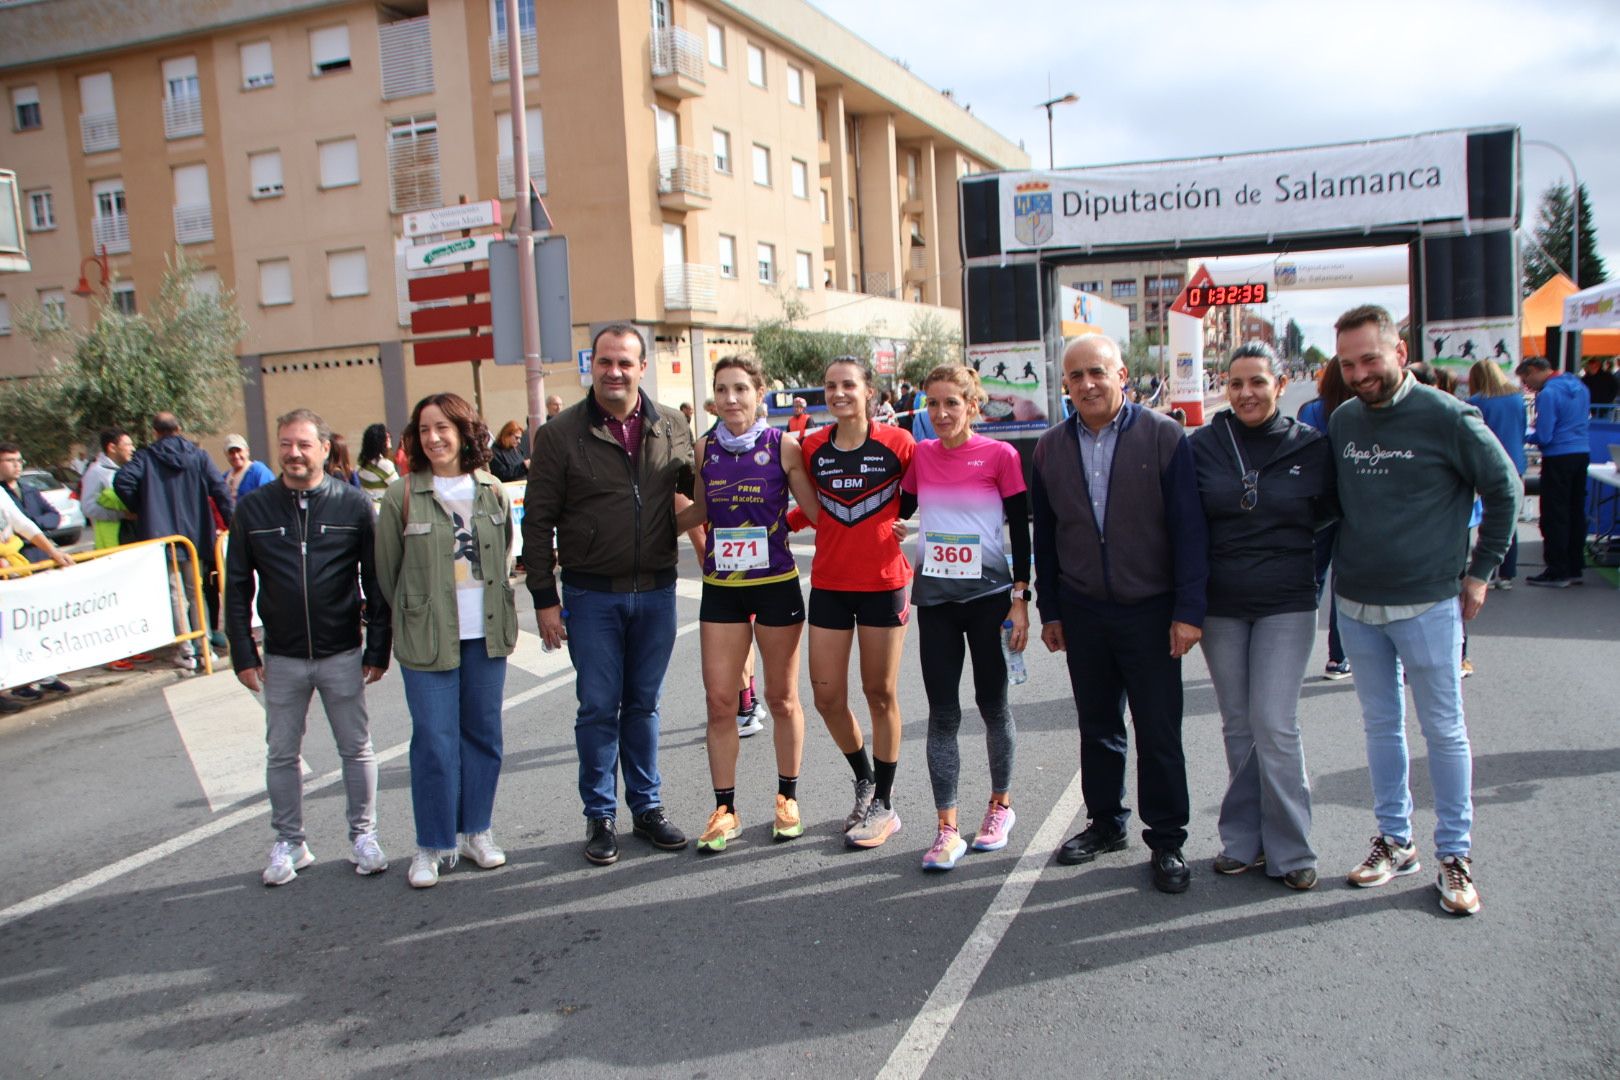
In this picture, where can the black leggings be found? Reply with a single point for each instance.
(945, 633)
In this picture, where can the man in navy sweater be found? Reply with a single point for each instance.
(1121, 561)
(1563, 405)
(1409, 462)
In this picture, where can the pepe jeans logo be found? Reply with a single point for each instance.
(1366, 461)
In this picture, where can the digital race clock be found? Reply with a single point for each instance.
(1202, 296)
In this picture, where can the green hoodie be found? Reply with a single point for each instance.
(1408, 474)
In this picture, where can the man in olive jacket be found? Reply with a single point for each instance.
(604, 475)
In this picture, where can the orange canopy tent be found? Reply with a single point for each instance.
(1544, 308)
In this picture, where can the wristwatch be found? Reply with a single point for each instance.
(1025, 595)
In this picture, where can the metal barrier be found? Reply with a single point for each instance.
(173, 543)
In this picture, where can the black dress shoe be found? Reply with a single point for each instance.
(1086, 845)
(1170, 871)
(601, 842)
(653, 827)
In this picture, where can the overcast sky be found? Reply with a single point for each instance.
(1171, 80)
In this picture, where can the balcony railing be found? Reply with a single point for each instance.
(689, 287)
(919, 257)
(406, 48)
(182, 116)
(99, 131)
(111, 233)
(499, 58)
(682, 170)
(677, 51)
(193, 224)
(506, 173)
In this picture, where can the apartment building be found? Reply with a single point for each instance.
(703, 158)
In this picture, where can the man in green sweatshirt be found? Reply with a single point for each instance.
(1409, 461)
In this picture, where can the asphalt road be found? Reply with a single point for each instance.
(136, 939)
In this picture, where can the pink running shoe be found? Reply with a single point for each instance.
(998, 822)
(948, 847)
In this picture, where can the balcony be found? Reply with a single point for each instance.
(406, 49)
(499, 58)
(182, 116)
(99, 131)
(917, 269)
(193, 224)
(683, 179)
(677, 62)
(689, 287)
(111, 233)
(506, 173)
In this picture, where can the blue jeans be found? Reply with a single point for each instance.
(620, 644)
(1427, 649)
(455, 745)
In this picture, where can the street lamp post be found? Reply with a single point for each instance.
(1066, 99)
(100, 259)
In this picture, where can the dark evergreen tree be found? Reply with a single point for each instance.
(1552, 234)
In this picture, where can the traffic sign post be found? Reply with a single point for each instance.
(551, 299)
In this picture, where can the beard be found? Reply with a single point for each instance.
(1382, 391)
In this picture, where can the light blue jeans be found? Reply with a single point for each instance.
(1427, 649)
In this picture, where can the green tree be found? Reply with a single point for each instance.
(934, 341)
(1140, 361)
(1293, 340)
(797, 357)
(179, 357)
(1314, 358)
(1549, 254)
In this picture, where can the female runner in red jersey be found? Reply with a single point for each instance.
(858, 585)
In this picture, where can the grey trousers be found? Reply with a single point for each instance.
(1257, 666)
(289, 683)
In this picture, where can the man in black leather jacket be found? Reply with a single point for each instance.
(304, 543)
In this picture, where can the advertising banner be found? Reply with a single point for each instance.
(1362, 185)
(1457, 343)
(1014, 376)
(89, 614)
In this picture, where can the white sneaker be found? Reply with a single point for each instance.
(480, 847)
(285, 862)
(424, 871)
(752, 722)
(367, 856)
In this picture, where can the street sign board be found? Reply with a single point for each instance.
(448, 286)
(551, 295)
(445, 219)
(453, 350)
(584, 358)
(446, 252)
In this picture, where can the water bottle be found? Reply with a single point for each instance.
(1016, 672)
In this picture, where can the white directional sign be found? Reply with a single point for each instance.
(461, 249)
(445, 219)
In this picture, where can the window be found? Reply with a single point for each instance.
(795, 85)
(258, 65)
(264, 171)
(413, 163)
(717, 45)
(53, 304)
(41, 211)
(1093, 287)
(762, 166)
(660, 14)
(722, 151)
(329, 49)
(756, 65)
(5, 316)
(821, 123)
(180, 78)
(1124, 290)
(765, 254)
(913, 163)
(123, 297)
(728, 256)
(25, 108)
(1130, 312)
(109, 217)
(346, 273)
(505, 163)
(340, 163)
(206, 283)
(525, 16)
(801, 269)
(193, 209)
(801, 179)
(98, 118)
(826, 207)
(275, 282)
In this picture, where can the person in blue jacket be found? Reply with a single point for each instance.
(1562, 408)
(1502, 405)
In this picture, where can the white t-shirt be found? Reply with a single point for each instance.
(457, 494)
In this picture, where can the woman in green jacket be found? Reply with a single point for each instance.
(444, 534)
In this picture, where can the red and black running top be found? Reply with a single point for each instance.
(859, 495)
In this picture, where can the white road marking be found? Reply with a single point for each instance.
(917, 1047)
(176, 844)
(221, 725)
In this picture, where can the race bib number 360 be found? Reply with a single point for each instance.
(952, 555)
(740, 549)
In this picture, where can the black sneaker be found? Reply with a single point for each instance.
(8, 706)
(56, 686)
(601, 842)
(1546, 580)
(653, 827)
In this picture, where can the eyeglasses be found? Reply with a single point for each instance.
(1251, 490)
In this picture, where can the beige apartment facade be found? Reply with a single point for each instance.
(703, 159)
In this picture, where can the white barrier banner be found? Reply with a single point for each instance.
(93, 613)
(1362, 185)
